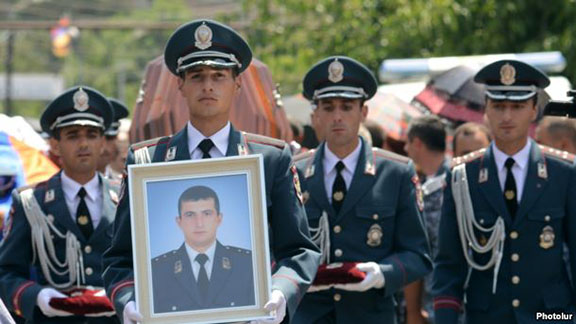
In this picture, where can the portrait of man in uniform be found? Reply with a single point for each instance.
(202, 273)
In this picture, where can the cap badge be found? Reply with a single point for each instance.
(203, 36)
(507, 74)
(335, 71)
(80, 99)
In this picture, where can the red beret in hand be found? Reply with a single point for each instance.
(83, 301)
(338, 273)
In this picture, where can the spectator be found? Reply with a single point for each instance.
(377, 133)
(426, 146)
(557, 132)
(470, 137)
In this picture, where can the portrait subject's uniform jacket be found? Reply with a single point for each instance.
(295, 255)
(533, 275)
(17, 290)
(382, 197)
(231, 280)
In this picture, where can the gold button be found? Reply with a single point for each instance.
(337, 297)
(375, 217)
(337, 229)
(547, 218)
(515, 303)
(515, 280)
(89, 271)
(338, 252)
(515, 257)
(513, 235)
(88, 249)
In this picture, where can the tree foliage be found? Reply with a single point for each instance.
(292, 35)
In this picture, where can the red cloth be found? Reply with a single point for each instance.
(83, 301)
(338, 273)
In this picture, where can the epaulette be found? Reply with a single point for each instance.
(563, 155)
(164, 256)
(261, 139)
(468, 157)
(390, 155)
(32, 186)
(150, 142)
(304, 155)
(237, 249)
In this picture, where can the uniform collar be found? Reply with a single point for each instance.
(350, 161)
(193, 253)
(520, 158)
(220, 138)
(71, 187)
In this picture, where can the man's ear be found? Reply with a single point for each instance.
(180, 82)
(55, 146)
(364, 112)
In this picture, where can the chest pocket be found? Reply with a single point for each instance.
(547, 216)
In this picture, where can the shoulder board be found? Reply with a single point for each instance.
(32, 186)
(151, 142)
(261, 139)
(165, 256)
(237, 249)
(390, 155)
(468, 157)
(304, 155)
(563, 155)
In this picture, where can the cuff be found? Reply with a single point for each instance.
(24, 299)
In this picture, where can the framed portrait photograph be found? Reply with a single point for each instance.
(200, 240)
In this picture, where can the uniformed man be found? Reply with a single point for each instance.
(207, 57)
(110, 150)
(61, 227)
(508, 212)
(360, 202)
(203, 273)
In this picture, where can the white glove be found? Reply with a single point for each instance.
(312, 289)
(277, 308)
(374, 278)
(130, 314)
(43, 302)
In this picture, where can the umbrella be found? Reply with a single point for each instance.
(392, 113)
(454, 95)
(161, 110)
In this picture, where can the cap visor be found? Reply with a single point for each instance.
(347, 95)
(81, 122)
(212, 63)
(510, 95)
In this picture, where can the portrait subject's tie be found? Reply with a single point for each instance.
(202, 280)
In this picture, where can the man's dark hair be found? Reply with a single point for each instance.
(468, 129)
(430, 130)
(198, 193)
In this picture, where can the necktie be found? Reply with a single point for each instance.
(510, 188)
(83, 218)
(202, 279)
(339, 188)
(205, 146)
